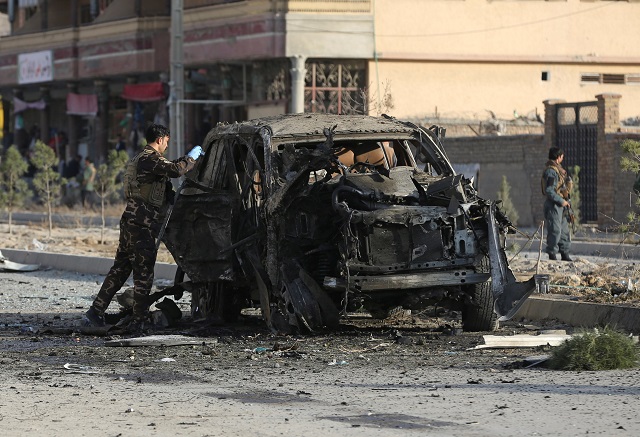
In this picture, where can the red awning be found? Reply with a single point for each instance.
(144, 92)
(82, 104)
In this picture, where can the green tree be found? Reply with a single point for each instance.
(14, 189)
(106, 181)
(47, 181)
(574, 194)
(630, 161)
(504, 194)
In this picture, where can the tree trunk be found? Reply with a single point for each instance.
(103, 220)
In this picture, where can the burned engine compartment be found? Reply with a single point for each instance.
(314, 216)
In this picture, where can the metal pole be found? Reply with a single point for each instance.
(298, 72)
(176, 80)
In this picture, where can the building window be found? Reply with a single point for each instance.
(544, 76)
(335, 87)
(610, 78)
(633, 79)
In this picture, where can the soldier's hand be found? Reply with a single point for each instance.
(195, 153)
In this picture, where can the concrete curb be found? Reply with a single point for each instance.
(587, 248)
(579, 314)
(536, 307)
(78, 263)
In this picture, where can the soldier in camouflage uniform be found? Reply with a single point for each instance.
(556, 185)
(147, 189)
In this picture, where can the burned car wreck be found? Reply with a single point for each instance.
(316, 215)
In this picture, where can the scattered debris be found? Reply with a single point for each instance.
(39, 246)
(77, 368)
(535, 360)
(369, 349)
(522, 340)
(5, 264)
(161, 340)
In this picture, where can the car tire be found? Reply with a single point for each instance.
(479, 315)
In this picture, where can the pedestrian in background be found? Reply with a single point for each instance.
(120, 144)
(147, 188)
(556, 186)
(88, 178)
(72, 169)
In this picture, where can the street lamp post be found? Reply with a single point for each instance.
(176, 81)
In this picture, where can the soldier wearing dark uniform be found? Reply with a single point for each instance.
(556, 185)
(147, 189)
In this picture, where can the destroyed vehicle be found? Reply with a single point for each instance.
(315, 216)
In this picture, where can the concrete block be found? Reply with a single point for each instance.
(579, 314)
(76, 263)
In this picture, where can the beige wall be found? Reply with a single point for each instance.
(340, 36)
(535, 29)
(457, 90)
(467, 57)
(5, 27)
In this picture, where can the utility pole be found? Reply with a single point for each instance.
(176, 81)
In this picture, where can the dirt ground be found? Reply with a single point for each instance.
(411, 375)
(601, 280)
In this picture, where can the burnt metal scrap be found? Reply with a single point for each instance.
(316, 215)
(6, 264)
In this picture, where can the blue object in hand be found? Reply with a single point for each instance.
(195, 153)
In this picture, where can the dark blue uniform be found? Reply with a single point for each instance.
(556, 216)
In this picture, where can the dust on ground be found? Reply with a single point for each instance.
(71, 238)
(412, 373)
(601, 280)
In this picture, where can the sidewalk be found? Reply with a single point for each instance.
(601, 244)
(60, 220)
(78, 263)
(579, 314)
(536, 308)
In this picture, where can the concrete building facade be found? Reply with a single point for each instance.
(442, 59)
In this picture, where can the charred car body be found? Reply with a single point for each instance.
(316, 215)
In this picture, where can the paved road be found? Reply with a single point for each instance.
(60, 220)
(359, 383)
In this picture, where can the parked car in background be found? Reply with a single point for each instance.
(317, 215)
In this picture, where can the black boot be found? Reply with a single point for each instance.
(565, 256)
(553, 257)
(93, 318)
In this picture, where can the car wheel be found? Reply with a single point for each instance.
(478, 315)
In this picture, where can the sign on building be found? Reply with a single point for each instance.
(35, 67)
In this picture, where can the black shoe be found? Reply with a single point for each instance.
(93, 319)
(553, 257)
(137, 327)
(565, 256)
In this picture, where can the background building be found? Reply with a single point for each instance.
(98, 68)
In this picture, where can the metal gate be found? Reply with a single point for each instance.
(577, 135)
(335, 88)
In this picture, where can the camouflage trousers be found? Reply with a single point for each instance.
(136, 253)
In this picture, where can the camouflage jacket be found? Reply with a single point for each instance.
(152, 169)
